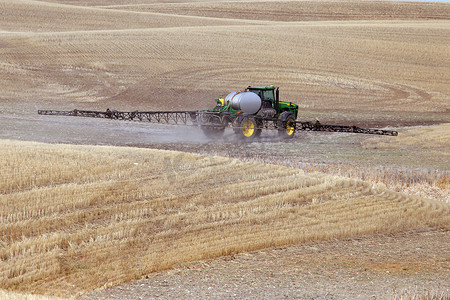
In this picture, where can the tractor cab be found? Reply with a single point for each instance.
(269, 99)
(265, 93)
(271, 104)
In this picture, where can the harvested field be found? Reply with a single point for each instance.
(432, 138)
(402, 266)
(291, 11)
(71, 209)
(40, 16)
(68, 209)
(145, 60)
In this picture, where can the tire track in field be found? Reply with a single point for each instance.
(136, 65)
(288, 11)
(40, 16)
(349, 91)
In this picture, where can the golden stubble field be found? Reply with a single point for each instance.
(78, 218)
(393, 57)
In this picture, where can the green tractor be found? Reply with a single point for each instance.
(249, 111)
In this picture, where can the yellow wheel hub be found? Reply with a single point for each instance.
(248, 128)
(290, 128)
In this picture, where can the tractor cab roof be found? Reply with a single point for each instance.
(271, 87)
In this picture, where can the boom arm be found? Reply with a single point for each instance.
(166, 117)
(195, 118)
(342, 128)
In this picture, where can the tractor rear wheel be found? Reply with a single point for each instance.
(249, 128)
(214, 127)
(286, 125)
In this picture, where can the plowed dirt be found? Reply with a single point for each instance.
(366, 267)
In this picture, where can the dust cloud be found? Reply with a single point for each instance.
(27, 125)
(58, 129)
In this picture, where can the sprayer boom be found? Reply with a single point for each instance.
(214, 123)
(165, 117)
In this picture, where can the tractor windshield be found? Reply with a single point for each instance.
(265, 95)
(257, 92)
(268, 95)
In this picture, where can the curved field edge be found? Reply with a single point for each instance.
(435, 137)
(291, 11)
(78, 218)
(41, 16)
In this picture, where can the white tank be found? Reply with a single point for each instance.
(248, 102)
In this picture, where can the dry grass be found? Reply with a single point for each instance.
(432, 184)
(432, 138)
(144, 60)
(77, 218)
(436, 140)
(19, 296)
(426, 182)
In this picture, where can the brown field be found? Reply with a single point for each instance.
(143, 211)
(148, 60)
(430, 138)
(68, 209)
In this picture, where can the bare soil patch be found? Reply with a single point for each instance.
(379, 266)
